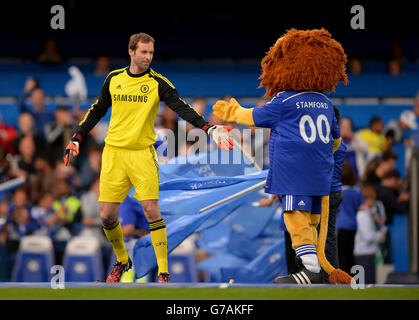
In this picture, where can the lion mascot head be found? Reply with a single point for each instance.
(303, 60)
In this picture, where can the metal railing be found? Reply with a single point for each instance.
(413, 217)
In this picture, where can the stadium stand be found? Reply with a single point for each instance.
(211, 79)
(182, 268)
(83, 260)
(34, 260)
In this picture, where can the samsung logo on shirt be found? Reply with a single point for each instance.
(129, 98)
(311, 104)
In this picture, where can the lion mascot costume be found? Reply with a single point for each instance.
(296, 72)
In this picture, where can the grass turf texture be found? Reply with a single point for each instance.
(209, 294)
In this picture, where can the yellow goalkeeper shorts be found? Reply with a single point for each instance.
(124, 168)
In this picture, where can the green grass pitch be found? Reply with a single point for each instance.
(243, 293)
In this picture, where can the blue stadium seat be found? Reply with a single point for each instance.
(182, 268)
(34, 260)
(213, 80)
(9, 113)
(83, 260)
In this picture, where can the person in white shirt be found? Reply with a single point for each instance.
(370, 232)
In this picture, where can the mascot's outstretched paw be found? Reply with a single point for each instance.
(233, 112)
(226, 110)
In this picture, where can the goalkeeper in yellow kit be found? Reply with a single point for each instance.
(129, 158)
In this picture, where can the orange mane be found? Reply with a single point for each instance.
(301, 60)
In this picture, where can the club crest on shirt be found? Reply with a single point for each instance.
(144, 88)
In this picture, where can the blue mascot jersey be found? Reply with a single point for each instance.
(303, 127)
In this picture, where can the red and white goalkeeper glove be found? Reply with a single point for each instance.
(221, 136)
(72, 149)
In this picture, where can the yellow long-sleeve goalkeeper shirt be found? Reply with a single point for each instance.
(135, 100)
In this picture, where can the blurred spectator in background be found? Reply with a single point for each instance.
(5, 165)
(199, 145)
(92, 224)
(19, 224)
(26, 128)
(169, 121)
(389, 194)
(37, 109)
(415, 135)
(406, 121)
(400, 130)
(416, 105)
(4, 259)
(42, 211)
(370, 232)
(258, 144)
(90, 169)
(97, 135)
(373, 137)
(386, 163)
(61, 171)
(394, 67)
(4, 209)
(31, 84)
(389, 135)
(64, 221)
(7, 135)
(394, 202)
(200, 106)
(58, 132)
(50, 55)
(346, 224)
(226, 97)
(369, 168)
(103, 65)
(23, 162)
(19, 220)
(396, 51)
(215, 120)
(396, 58)
(356, 148)
(355, 66)
(44, 180)
(66, 205)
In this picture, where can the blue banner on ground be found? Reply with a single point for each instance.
(207, 164)
(263, 269)
(177, 231)
(182, 196)
(248, 219)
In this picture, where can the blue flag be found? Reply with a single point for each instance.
(177, 231)
(263, 269)
(183, 196)
(185, 188)
(208, 164)
(214, 264)
(247, 219)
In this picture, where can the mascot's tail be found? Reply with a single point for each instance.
(336, 275)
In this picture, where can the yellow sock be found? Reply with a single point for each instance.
(114, 234)
(301, 227)
(159, 239)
